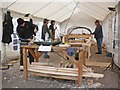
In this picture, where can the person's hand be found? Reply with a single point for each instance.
(92, 33)
(29, 39)
(35, 30)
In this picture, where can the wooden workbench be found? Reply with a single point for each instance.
(57, 72)
(37, 55)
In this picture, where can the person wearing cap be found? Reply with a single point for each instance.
(25, 33)
(45, 30)
(52, 29)
(98, 34)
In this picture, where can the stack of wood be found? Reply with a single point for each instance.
(47, 70)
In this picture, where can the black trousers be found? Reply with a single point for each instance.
(31, 59)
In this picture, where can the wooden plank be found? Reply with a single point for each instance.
(38, 54)
(80, 61)
(99, 64)
(76, 45)
(29, 46)
(85, 74)
(78, 36)
(89, 40)
(80, 44)
(54, 70)
(72, 70)
(45, 65)
(84, 58)
(32, 53)
(66, 37)
(25, 64)
(94, 75)
(35, 54)
(87, 69)
(53, 76)
(41, 64)
(77, 41)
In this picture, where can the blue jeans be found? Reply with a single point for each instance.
(99, 44)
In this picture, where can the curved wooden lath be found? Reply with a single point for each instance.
(70, 30)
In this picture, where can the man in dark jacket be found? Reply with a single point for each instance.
(25, 33)
(99, 36)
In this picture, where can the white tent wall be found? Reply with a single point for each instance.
(118, 27)
(111, 33)
(108, 30)
(117, 38)
(78, 20)
(1, 47)
(1, 44)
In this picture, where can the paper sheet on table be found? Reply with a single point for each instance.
(45, 48)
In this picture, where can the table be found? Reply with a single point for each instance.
(36, 54)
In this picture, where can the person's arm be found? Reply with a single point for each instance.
(48, 31)
(50, 27)
(96, 30)
(43, 32)
(34, 29)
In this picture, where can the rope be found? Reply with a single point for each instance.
(11, 4)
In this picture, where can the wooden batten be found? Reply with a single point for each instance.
(66, 74)
(50, 67)
(98, 64)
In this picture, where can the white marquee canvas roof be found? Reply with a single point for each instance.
(60, 10)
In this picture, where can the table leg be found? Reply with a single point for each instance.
(25, 63)
(84, 58)
(80, 68)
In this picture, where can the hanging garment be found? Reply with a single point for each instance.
(7, 28)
